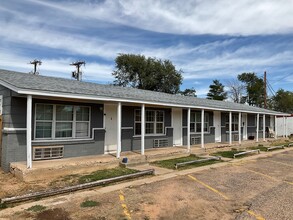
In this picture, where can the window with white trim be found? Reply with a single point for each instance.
(235, 123)
(61, 121)
(154, 122)
(195, 122)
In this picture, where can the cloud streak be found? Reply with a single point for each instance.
(242, 17)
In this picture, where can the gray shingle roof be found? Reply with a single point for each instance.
(29, 82)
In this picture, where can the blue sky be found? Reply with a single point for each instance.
(210, 39)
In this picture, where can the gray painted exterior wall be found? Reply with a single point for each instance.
(14, 142)
(131, 142)
(208, 137)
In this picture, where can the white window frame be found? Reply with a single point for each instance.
(235, 120)
(206, 121)
(54, 121)
(154, 122)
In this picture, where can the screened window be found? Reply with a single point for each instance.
(44, 121)
(195, 122)
(64, 121)
(235, 125)
(154, 122)
(61, 121)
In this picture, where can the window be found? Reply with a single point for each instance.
(44, 121)
(61, 121)
(195, 122)
(235, 126)
(154, 122)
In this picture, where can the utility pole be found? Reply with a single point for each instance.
(35, 63)
(77, 74)
(265, 89)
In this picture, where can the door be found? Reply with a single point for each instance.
(217, 124)
(244, 124)
(177, 126)
(110, 111)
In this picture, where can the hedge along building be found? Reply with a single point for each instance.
(49, 118)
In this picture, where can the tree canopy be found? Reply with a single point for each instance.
(254, 88)
(217, 91)
(147, 73)
(189, 92)
(283, 101)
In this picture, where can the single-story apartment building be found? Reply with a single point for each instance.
(49, 118)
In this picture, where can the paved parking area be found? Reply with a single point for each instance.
(249, 189)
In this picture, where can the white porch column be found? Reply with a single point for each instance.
(188, 129)
(284, 127)
(264, 128)
(202, 128)
(118, 130)
(257, 126)
(142, 128)
(230, 128)
(239, 128)
(276, 128)
(29, 132)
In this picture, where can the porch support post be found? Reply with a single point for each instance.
(230, 128)
(188, 129)
(276, 128)
(202, 128)
(118, 130)
(29, 132)
(239, 128)
(284, 127)
(257, 126)
(264, 128)
(142, 128)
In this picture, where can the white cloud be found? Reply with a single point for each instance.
(57, 67)
(242, 17)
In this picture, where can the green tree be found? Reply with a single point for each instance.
(189, 92)
(217, 91)
(283, 101)
(254, 88)
(147, 73)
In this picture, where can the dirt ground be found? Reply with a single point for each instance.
(252, 189)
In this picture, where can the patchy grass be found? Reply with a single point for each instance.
(36, 208)
(75, 179)
(260, 147)
(56, 213)
(89, 203)
(105, 174)
(3, 206)
(170, 164)
(229, 154)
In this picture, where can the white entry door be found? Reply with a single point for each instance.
(217, 124)
(110, 111)
(177, 126)
(244, 124)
